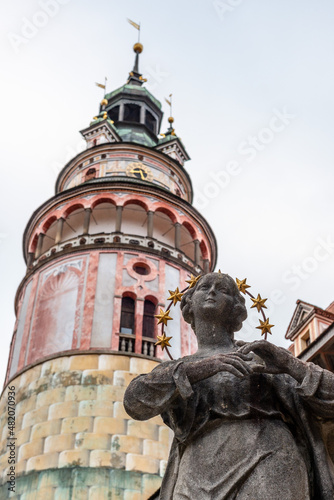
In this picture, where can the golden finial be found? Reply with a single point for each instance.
(163, 341)
(171, 119)
(241, 284)
(175, 296)
(105, 115)
(163, 317)
(104, 102)
(265, 326)
(138, 48)
(259, 303)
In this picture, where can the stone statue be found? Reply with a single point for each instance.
(247, 417)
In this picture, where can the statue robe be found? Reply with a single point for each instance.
(232, 425)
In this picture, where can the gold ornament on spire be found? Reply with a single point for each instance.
(242, 285)
(175, 296)
(259, 303)
(163, 317)
(265, 326)
(193, 280)
(163, 341)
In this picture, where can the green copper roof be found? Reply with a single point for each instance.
(129, 134)
(128, 88)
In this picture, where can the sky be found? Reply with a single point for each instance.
(252, 86)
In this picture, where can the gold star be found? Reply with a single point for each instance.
(265, 326)
(193, 280)
(259, 303)
(242, 285)
(163, 317)
(175, 296)
(163, 341)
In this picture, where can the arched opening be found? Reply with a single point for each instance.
(131, 113)
(103, 218)
(148, 319)
(187, 243)
(150, 121)
(134, 220)
(50, 236)
(114, 113)
(163, 229)
(127, 316)
(73, 224)
(91, 172)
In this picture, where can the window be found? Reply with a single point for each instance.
(90, 174)
(131, 113)
(128, 315)
(148, 319)
(142, 269)
(114, 113)
(150, 121)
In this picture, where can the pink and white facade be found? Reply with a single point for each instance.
(102, 255)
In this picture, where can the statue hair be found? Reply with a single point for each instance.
(233, 321)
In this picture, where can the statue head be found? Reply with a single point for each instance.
(215, 298)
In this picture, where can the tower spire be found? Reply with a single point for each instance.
(136, 78)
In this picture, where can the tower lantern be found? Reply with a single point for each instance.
(102, 255)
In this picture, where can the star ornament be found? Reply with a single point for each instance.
(242, 285)
(265, 326)
(163, 317)
(193, 280)
(175, 296)
(163, 341)
(259, 303)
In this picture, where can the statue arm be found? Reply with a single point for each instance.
(154, 393)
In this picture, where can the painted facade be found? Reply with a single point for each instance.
(311, 330)
(102, 255)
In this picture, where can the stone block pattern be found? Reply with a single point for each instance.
(70, 416)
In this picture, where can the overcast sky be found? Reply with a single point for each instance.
(252, 84)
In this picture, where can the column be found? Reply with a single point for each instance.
(142, 114)
(150, 216)
(119, 211)
(86, 222)
(177, 226)
(59, 234)
(206, 266)
(39, 245)
(197, 252)
(121, 112)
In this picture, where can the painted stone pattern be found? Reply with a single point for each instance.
(70, 421)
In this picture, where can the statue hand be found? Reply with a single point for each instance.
(277, 359)
(235, 363)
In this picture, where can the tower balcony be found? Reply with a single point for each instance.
(125, 241)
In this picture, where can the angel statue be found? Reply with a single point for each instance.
(248, 418)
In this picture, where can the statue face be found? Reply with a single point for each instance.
(213, 296)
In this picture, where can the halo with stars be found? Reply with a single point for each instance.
(175, 296)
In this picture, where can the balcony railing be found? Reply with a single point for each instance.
(127, 345)
(118, 238)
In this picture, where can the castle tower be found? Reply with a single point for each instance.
(102, 255)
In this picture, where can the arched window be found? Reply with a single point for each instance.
(128, 315)
(148, 319)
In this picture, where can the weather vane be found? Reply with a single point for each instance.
(176, 296)
(137, 26)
